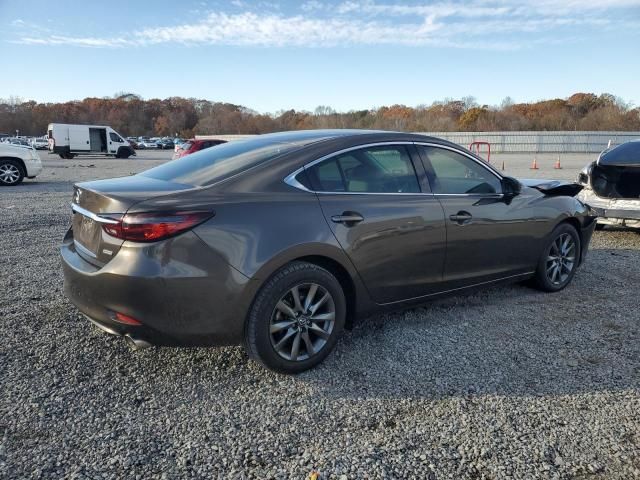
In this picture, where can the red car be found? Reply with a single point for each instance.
(193, 145)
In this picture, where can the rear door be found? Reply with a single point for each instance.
(488, 236)
(391, 229)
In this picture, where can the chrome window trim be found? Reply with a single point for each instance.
(77, 208)
(293, 182)
(484, 165)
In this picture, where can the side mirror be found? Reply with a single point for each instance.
(511, 187)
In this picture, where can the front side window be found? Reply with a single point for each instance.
(385, 169)
(450, 172)
(114, 137)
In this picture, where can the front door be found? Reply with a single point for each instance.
(393, 232)
(488, 236)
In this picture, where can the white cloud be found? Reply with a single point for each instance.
(485, 24)
(76, 41)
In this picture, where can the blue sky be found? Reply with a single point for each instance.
(349, 54)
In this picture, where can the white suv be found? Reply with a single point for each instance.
(17, 162)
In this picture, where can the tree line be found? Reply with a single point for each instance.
(132, 116)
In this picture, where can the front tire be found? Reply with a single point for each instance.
(559, 260)
(10, 172)
(296, 318)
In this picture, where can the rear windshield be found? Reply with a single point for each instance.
(214, 164)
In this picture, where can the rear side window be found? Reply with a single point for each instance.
(385, 169)
(214, 164)
(450, 173)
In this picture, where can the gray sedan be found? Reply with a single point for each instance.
(281, 241)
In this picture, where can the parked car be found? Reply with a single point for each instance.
(69, 140)
(18, 162)
(17, 141)
(193, 145)
(145, 144)
(280, 241)
(166, 144)
(612, 186)
(40, 143)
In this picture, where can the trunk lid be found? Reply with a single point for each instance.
(106, 201)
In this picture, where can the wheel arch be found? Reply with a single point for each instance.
(336, 262)
(20, 163)
(343, 277)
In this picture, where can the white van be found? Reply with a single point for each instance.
(70, 140)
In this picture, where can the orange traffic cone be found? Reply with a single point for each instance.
(534, 165)
(557, 166)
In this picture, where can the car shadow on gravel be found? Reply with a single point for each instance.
(505, 340)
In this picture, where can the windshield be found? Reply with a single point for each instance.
(214, 164)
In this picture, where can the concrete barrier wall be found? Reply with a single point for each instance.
(540, 142)
(518, 142)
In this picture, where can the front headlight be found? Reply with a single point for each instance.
(583, 176)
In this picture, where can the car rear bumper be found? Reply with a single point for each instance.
(180, 290)
(33, 166)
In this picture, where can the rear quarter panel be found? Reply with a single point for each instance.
(258, 233)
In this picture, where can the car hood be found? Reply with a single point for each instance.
(623, 155)
(553, 187)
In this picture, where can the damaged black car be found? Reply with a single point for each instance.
(612, 186)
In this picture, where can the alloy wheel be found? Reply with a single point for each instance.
(561, 259)
(9, 173)
(302, 322)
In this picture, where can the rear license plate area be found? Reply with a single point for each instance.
(86, 232)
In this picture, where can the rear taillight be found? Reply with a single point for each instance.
(151, 227)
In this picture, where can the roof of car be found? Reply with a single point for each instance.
(304, 137)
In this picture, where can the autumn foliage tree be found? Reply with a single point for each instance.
(129, 114)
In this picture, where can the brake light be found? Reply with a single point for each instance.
(151, 227)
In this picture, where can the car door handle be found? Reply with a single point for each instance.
(461, 218)
(347, 218)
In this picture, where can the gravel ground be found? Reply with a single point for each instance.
(507, 382)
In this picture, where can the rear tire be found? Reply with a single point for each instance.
(559, 260)
(288, 335)
(11, 172)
